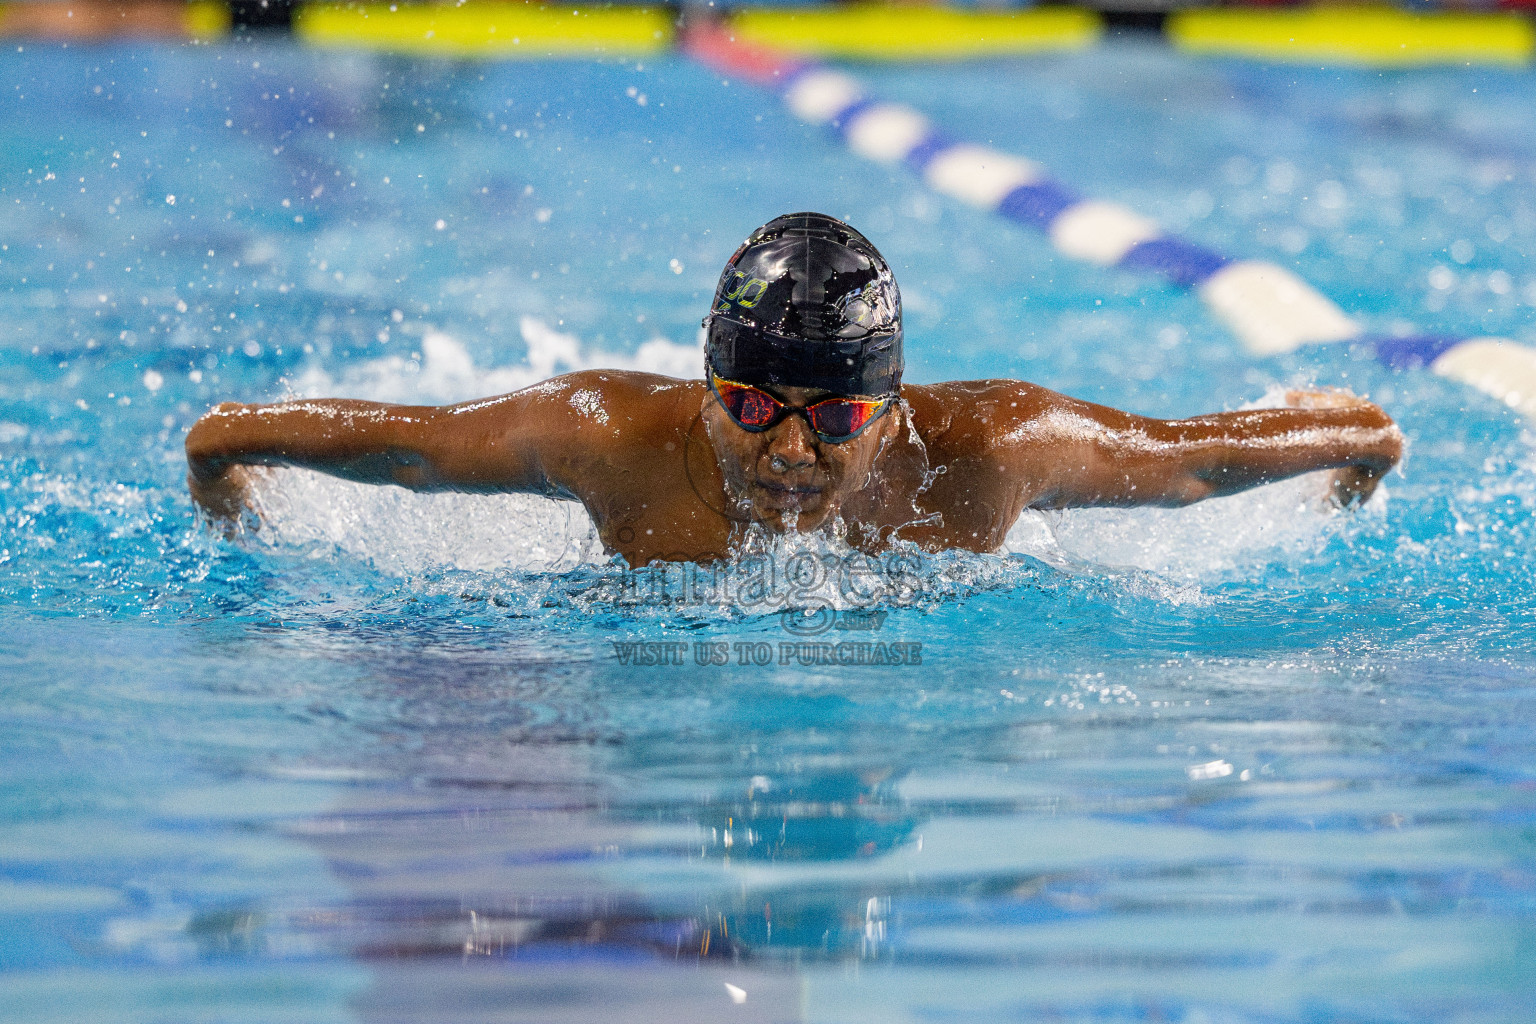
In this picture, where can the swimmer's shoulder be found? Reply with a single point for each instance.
(618, 384)
(618, 404)
(976, 412)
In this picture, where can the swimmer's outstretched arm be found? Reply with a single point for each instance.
(1104, 457)
(517, 442)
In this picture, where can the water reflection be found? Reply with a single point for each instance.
(512, 819)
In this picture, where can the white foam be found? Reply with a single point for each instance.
(446, 372)
(1214, 539)
(402, 532)
(408, 534)
(1220, 538)
(805, 577)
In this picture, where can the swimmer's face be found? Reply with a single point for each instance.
(786, 472)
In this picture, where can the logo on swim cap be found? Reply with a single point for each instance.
(807, 301)
(864, 311)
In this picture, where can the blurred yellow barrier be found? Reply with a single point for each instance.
(877, 32)
(208, 19)
(1371, 36)
(487, 29)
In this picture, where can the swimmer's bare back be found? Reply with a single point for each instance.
(666, 475)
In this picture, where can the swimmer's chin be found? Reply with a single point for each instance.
(802, 508)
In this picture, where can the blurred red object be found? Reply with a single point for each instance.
(96, 19)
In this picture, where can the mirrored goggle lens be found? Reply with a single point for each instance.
(747, 405)
(842, 417)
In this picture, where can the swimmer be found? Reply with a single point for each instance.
(802, 423)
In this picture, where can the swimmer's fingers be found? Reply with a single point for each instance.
(1352, 486)
(1323, 398)
(228, 501)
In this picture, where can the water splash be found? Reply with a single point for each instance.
(1221, 538)
(1161, 554)
(446, 372)
(405, 533)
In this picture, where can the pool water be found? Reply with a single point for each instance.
(398, 757)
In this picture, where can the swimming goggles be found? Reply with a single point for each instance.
(833, 420)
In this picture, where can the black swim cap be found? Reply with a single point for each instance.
(807, 302)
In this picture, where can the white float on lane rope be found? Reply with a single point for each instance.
(1494, 366)
(819, 96)
(886, 132)
(1271, 310)
(979, 175)
(1100, 231)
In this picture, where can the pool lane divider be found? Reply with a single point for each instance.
(1268, 308)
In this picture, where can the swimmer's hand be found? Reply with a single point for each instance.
(223, 491)
(1349, 486)
(227, 502)
(1325, 398)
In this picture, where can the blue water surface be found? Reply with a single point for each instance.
(393, 757)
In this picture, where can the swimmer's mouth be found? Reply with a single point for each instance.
(784, 497)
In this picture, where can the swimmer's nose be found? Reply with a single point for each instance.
(790, 449)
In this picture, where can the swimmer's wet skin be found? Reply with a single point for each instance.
(802, 424)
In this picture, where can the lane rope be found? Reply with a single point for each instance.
(1268, 308)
